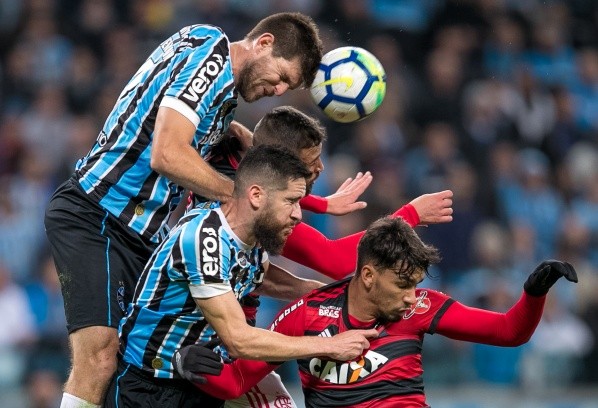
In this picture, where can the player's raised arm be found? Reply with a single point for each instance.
(174, 156)
(336, 258)
(516, 326)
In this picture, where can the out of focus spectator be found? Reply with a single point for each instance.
(496, 100)
(18, 329)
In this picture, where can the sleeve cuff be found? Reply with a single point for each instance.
(211, 290)
(315, 204)
(409, 214)
(182, 108)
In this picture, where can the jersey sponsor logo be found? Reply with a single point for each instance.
(286, 312)
(210, 251)
(242, 259)
(348, 372)
(258, 278)
(200, 82)
(102, 139)
(421, 306)
(330, 311)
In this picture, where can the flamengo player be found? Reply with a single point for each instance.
(382, 294)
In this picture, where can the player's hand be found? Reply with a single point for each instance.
(546, 274)
(192, 361)
(343, 201)
(435, 208)
(350, 344)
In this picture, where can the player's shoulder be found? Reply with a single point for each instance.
(205, 30)
(431, 294)
(428, 302)
(333, 289)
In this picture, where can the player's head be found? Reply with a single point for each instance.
(391, 261)
(303, 135)
(272, 180)
(286, 53)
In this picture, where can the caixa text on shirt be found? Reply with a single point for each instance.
(347, 372)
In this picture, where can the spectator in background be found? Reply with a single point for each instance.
(529, 202)
(557, 349)
(18, 329)
(504, 31)
(584, 89)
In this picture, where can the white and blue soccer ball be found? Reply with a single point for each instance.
(350, 84)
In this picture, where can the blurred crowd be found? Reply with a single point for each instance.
(496, 100)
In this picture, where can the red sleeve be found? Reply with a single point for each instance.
(409, 214)
(313, 203)
(238, 377)
(334, 258)
(513, 328)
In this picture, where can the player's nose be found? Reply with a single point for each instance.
(281, 88)
(296, 214)
(409, 296)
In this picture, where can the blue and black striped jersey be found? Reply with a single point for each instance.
(201, 257)
(190, 72)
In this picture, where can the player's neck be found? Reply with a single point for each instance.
(239, 220)
(238, 52)
(357, 301)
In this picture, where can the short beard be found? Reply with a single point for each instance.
(244, 81)
(268, 234)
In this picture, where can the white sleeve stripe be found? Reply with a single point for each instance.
(209, 290)
(182, 108)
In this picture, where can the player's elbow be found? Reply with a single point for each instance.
(239, 345)
(237, 349)
(518, 340)
(234, 345)
(159, 161)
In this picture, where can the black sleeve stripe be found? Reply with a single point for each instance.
(439, 314)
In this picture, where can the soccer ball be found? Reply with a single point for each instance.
(349, 85)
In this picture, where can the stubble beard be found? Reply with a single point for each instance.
(245, 78)
(269, 234)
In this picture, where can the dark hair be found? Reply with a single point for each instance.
(295, 35)
(269, 166)
(390, 243)
(288, 127)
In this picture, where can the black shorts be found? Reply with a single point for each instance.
(99, 259)
(131, 387)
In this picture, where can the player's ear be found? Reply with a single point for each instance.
(367, 276)
(263, 43)
(256, 195)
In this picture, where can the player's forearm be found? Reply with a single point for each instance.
(258, 344)
(236, 378)
(333, 258)
(512, 328)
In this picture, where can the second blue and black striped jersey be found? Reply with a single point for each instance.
(201, 257)
(190, 72)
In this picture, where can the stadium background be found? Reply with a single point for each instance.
(494, 99)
